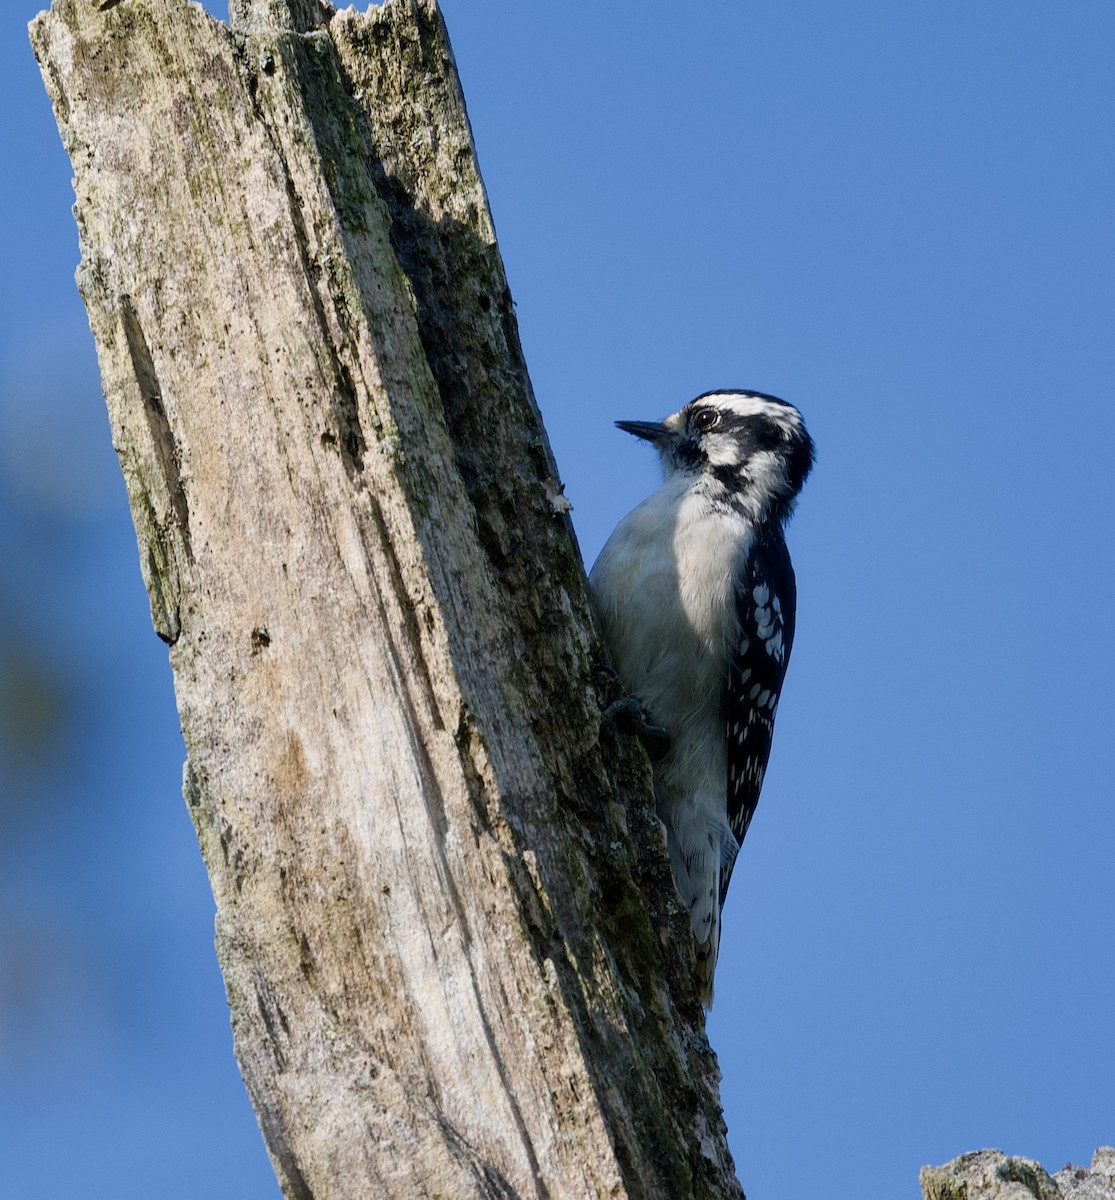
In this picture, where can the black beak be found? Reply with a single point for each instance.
(649, 431)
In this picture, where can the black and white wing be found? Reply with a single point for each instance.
(766, 600)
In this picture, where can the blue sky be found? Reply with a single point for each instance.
(898, 216)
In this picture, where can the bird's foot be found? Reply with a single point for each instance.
(627, 715)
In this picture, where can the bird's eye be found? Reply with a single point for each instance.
(706, 419)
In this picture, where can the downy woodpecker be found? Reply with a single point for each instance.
(697, 597)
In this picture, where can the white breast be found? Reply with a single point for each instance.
(664, 588)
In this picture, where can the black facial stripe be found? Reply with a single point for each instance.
(754, 433)
(688, 453)
(731, 478)
(755, 430)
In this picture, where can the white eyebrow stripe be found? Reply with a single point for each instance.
(742, 404)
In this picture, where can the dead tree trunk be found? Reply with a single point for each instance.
(453, 958)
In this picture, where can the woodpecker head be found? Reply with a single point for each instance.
(745, 449)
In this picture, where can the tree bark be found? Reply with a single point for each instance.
(992, 1175)
(454, 958)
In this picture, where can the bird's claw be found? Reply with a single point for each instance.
(627, 715)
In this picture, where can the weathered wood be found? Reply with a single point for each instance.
(452, 953)
(993, 1175)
